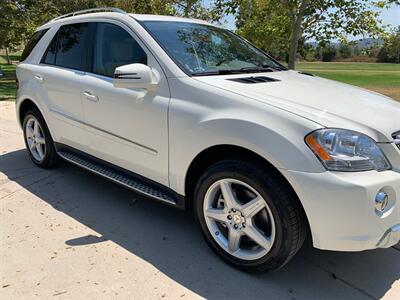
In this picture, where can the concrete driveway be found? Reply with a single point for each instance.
(68, 234)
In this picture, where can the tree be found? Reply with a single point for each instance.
(345, 50)
(11, 26)
(328, 53)
(20, 18)
(390, 51)
(195, 9)
(322, 20)
(272, 35)
(387, 3)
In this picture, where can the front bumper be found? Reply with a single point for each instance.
(340, 208)
(390, 238)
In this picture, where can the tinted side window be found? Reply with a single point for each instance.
(71, 46)
(50, 56)
(32, 43)
(114, 47)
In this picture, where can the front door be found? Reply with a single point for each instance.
(127, 127)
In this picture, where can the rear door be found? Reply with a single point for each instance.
(60, 73)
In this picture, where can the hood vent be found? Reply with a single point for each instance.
(255, 79)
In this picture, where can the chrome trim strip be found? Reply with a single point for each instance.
(390, 237)
(63, 156)
(396, 137)
(397, 141)
(148, 149)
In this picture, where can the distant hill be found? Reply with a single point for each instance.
(361, 43)
(368, 42)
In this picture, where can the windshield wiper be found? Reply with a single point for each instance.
(258, 69)
(218, 72)
(277, 68)
(265, 68)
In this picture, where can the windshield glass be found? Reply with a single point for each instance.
(202, 49)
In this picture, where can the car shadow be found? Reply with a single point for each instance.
(169, 239)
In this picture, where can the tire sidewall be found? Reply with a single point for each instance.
(34, 113)
(280, 250)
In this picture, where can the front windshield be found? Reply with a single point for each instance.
(203, 49)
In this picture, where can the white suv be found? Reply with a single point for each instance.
(192, 115)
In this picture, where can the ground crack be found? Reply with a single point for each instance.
(344, 281)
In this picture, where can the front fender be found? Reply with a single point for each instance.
(277, 137)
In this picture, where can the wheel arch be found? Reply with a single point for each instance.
(216, 153)
(24, 106)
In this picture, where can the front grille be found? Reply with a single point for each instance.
(396, 138)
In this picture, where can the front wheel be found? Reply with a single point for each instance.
(249, 217)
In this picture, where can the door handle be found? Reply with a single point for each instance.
(90, 96)
(39, 78)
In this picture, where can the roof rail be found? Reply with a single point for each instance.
(90, 10)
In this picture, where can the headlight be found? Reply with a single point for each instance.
(346, 151)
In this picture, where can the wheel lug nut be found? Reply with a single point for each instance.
(235, 226)
(229, 217)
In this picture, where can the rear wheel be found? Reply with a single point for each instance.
(38, 140)
(249, 217)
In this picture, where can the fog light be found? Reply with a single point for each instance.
(381, 201)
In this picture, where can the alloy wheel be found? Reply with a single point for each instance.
(35, 139)
(239, 219)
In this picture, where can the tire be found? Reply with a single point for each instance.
(281, 219)
(39, 137)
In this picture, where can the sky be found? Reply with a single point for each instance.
(390, 16)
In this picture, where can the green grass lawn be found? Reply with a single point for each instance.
(382, 78)
(8, 87)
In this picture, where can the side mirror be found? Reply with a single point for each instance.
(135, 76)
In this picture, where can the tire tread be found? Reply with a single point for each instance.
(296, 219)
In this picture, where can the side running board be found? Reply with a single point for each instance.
(117, 176)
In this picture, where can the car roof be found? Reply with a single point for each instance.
(144, 17)
(116, 15)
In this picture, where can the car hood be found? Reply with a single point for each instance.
(327, 102)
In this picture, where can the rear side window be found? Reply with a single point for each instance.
(50, 57)
(32, 43)
(114, 47)
(69, 47)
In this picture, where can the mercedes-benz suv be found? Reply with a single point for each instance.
(192, 115)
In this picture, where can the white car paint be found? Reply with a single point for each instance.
(158, 134)
(327, 102)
